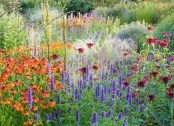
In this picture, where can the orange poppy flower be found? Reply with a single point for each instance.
(25, 111)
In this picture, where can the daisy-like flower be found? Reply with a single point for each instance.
(155, 73)
(151, 96)
(55, 56)
(90, 45)
(126, 84)
(125, 53)
(165, 79)
(150, 28)
(81, 50)
(141, 83)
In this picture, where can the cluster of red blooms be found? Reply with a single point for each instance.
(81, 50)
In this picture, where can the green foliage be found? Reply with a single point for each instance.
(135, 31)
(10, 25)
(166, 25)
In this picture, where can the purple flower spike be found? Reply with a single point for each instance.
(123, 87)
(68, 79)
(94, 117)
(112, 118)
(30, 100)
(141, 108)
(111, 68)
(63, 77)
(35, 51)
(128, 89)
(105, 89)
(102, 96)
(48, 69)
(52, 83)
(137, 101)
(120, 81)
(50, 117)
(42, 53)
(125, 118)
(69, 110)
(109, 90)
(120, 115)
(53, 114)
(127, 96)
(124, 124)
(47, 117)
(103, 114)
(84, 84)
(77, 115)
(36, 117)
(58, 121)
(114, 88)
(38, 112)
(125, 110)
(130, 99)
(109, 112)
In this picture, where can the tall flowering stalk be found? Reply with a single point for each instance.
(30, 100)
(47, 28)
(64, 39)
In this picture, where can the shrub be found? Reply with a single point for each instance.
(166, 25)
(10, 26)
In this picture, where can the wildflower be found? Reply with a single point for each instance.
(116, 71)
(170, 94)
(81, 50)
(141, 83)
(77, 115)
(150, 28)
(44, 94)
(165, 79)
(126, 53)
(151, 96)
(171, 87)
(126, 83)
(90, 45)
(103, 114)
(25, 111)
(82, 69)
(155, 73)
(109, 112)
(134, 68)
(95, 67)
(55, 56)
(120, 115)
(30, 122)
(150, 40)
(94, 117)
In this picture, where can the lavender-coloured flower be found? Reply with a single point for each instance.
(123, 124)
(120, 115)
(36, 117)
(125, 110)
(94, 117)
(109, 112)
(123, 87)
(52, 83)
(58, 121)
(68, 79)
(127, 96)
(128, 89)
(76, 93)
(77, 115)
(92, 84)
(42, 53)
(141, 108)
(53, 114)
(105, 89)
(47, 117)
(30, 100)
(111, 68)
(109, 90)
(81, 91)
(126, 118)
(117, 92)
(48, 69)
(50, 117)
(38, 112)
(63, 77)
(103, 114)
(98, 88)
(102, 96)
(84, 84)
(114, 88)
(130, 99)
(35, 51)
(58, 99)
(120, 81)
(69, 110)
(137, 101)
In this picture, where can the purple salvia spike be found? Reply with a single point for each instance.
(36, 118)
(77, 115)
(84, 77)
(80, 82)
(73, 87)
(124, 87)
(141, 108)
(58, 99)
(98, 88)
(81, 91)
(124, 124)
(127, 96)
(102, 96)
(68, 79)
(53, 114)
(137, 101)
(52, 83)
(63, 77)
(58, 121)
(114, 88)
(69, 110)
(76, 94)
(38, 112)
(128, 89)
(130, 99)
(35, 51)
(30, 100)
(92, 84)
(87, 71)
(109, 90)
(117, 92)
(103, 114)
(125, 110)
(84, 83)
(94, 117)
(50, 117)
(42, 53)
(120, 81)
(120, 95)
(47, 88)
(120, 115)
(73, 94)
(109, 112)
(47, 117)
(48, 69)
(111, 68)
(91, 78)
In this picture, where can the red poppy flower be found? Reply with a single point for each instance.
(150, 28)
(155, 73)
(126, 83)
(55, 56)
(126, 53)
(90, 45)
(151, 96)
(165, 79)
(141, 83)
(81, 50)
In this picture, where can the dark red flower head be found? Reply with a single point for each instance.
(126, 83)
(116, 71)
(81, 50)
(126, 53)
(170, 94)
(95, 67)
(171, 86)
(134, 68)
(150, 28)
(90, 45)
(133, 94)
(165, 79)
(82, 69)
(151, 96)
(141, 83)
(155, 73)
(150, 40)
(158, 67)
(55, 56)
